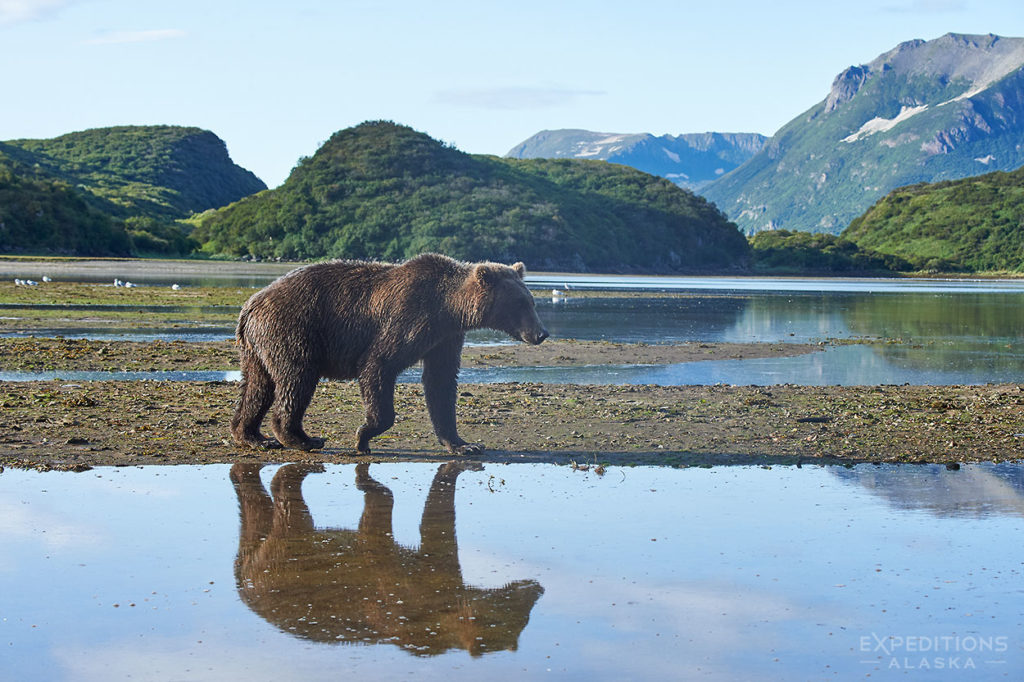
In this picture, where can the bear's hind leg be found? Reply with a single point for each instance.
(256, 394)
(291, 399)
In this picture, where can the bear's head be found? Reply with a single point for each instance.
(504, 303)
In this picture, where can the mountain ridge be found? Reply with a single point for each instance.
(923, 111)
(691, 160)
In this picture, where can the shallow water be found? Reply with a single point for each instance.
(854, 365)
(567, 283)
(515, 571)
(88, 375)
(945, 332)
(183, 333)
(117, 308)
(992, 318)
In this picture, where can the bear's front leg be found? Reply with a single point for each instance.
(377, 386)
(440, 388)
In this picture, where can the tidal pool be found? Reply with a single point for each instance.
(501, 571)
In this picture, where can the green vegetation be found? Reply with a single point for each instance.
(972, 225)
(165, 172)
(40, 214)
(382, 190)
(785, 251)
(114, 191)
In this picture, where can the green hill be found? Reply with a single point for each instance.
(381, 190)
(39, 214)
(974, 224)
(114, 191)
(783, 251)
(155, 171)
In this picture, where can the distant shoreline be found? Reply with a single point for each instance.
(14, 265)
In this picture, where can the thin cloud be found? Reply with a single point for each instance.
(19, 11)
(928, 6)
(123, 37)
(512, 98)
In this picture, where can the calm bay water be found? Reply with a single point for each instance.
(513, 571)
(933, 331)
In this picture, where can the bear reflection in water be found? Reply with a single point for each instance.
(340, 585)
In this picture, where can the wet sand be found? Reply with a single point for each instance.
(62, 425)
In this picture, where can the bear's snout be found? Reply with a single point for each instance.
(535, 337)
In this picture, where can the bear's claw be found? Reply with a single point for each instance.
(258, 443)
(310, 444)
(467, 449)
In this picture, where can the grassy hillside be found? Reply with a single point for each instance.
(155, 171)
(39, 214)
(973, 224)
(806, 252)
(381, 190)
(114, 191)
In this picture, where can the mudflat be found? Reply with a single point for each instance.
(76, 425)
(67, 425)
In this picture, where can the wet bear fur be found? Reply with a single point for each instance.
(369, 321)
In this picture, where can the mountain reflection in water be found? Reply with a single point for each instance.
(977, 490)
(360, 586)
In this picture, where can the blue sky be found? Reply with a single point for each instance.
(275, 79)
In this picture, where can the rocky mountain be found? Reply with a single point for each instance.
(690, 160)
(925, 111)
(382, 190)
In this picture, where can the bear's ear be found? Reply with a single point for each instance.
(484, 273)
(520, 269)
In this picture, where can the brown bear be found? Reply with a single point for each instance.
(369, 321)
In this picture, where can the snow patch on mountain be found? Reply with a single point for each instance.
(878, 124)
